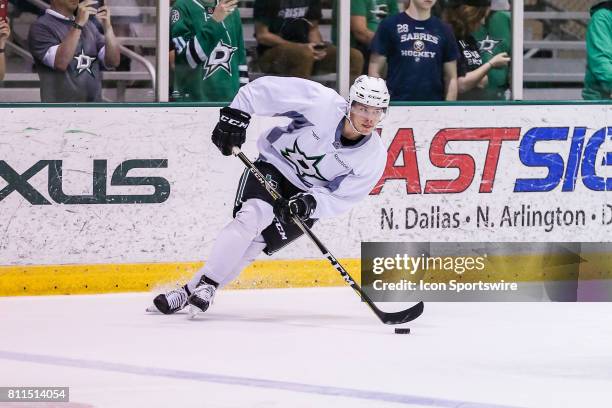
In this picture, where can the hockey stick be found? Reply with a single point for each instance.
(403, 316)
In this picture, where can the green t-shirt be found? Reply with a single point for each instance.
(374, 12)
(210, 56)
(598, 76)
(493, 38)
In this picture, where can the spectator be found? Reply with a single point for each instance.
(495, 37)
(68, 51)
(465, 17)
(366, 15)
(5, 32)
(421, 52)
(210, 54)
(598, 76)
(289, 41)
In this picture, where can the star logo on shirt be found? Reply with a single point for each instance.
(220, 58)
(175, 16)
(488, 44)
(379, 11)
(305, 166)
(84, 62)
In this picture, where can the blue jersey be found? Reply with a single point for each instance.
(416, 52)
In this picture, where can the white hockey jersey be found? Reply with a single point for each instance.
(308, 151)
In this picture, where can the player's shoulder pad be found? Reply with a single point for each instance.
(376, 157)
(380, 146)
(378, 143)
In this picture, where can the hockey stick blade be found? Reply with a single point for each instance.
(403, 316)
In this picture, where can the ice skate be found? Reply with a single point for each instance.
(201, 298)
(173, 301)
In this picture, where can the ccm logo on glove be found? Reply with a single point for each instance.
(234, 122)
(230, 130)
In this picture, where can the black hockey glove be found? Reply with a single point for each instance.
(231, 129)
(301, 205)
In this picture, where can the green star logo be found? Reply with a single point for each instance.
(305, 166)
(220, 58)
(488, 45)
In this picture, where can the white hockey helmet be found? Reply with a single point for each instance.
(369, 91)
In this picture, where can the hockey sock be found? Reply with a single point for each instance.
(233, 242)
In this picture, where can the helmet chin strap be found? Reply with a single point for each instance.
(348, 117)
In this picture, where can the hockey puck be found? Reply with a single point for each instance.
(400, 330)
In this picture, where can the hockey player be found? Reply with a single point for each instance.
(327, 159)
(210, 53)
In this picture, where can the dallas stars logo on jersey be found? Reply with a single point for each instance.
(488, 44)
(220, 58)
(84, 63)
(379, 11)
(305, 166)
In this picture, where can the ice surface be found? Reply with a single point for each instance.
(308, 348)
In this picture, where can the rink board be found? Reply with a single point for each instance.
(455, 174)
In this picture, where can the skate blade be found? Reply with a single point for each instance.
(152, 309)
(193, 311)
